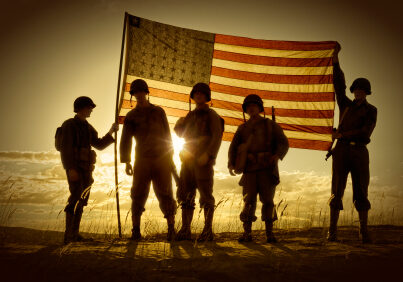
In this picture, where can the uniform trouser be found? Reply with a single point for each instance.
(260, 182)
(355, 159)
(79, 191)
(157, 171)
(194, 177)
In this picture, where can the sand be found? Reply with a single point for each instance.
(300, 255)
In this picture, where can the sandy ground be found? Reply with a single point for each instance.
(300, 255)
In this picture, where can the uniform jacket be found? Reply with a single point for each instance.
(268, 137)
(149, 126)
(78, 134)
(360, 119)
(202, 130)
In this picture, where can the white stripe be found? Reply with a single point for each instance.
(272, 86)
(290, 134)
(273, 52)
(292, 105)
(272, 69)
(236, 114)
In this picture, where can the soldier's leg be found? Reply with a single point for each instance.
(207, 203)
(205, 182)
(162, 183)
(185, 195)
(75, 188)
(247, 216)
(266, 184)
(360, 179)
(86, 183)
(340, 170)
(139, 194)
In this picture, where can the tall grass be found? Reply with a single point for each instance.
(101, 218)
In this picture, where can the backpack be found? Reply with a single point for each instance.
(59, 138)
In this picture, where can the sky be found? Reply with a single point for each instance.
(54, 51)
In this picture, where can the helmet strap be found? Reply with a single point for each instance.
(131, 96)
(243, 113)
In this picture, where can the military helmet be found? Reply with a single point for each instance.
(253, 98)
(83, 102)
(138, 85)
(203, 88)
(361, 83)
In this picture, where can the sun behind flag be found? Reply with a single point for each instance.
(294, 77)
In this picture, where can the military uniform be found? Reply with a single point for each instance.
(259, 176)
(202, 130)
(76, 153)
(350, 153)
(153, 163)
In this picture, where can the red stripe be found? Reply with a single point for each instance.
(274, 95)
(272, 44)
(272, 78)
(236, 122)
(294, 143)
(272, 61)
(126, 104)
(309, 144)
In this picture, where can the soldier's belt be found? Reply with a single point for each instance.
(352, 143)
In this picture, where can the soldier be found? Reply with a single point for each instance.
(357, 121)
(148, 124)
(257, 146)
(202, 130)
(76, 138)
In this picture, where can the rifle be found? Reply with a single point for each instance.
(175, 174)
(330, 151)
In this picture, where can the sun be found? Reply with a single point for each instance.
(177, 143)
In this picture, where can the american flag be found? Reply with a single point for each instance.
(294, 77)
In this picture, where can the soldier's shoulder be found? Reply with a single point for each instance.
(69, 122)
(213, 113)
(158, 109)
(372, 108)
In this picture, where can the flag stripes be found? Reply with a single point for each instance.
(294, 77)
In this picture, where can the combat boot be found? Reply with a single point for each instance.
(68, 234)
(76, 228)
(207, 233)
(363, 215)
(247, 234)
(171, 228)
(334, 217)
(269, 232)
(185, 233)
(136, 235)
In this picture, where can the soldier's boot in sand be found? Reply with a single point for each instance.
(76, 227)
(185, 233)
(334, 217)
(68, 234)
(269, 232)
(247, 234)
(136, 235)
(207, 233)
(364, 234)
(171, 228)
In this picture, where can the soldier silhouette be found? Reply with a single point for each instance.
(202, 130)
(257, 146)
(148, 124)
(350, 155)
(74, 140)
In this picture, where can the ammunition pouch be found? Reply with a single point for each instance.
(86, 158)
